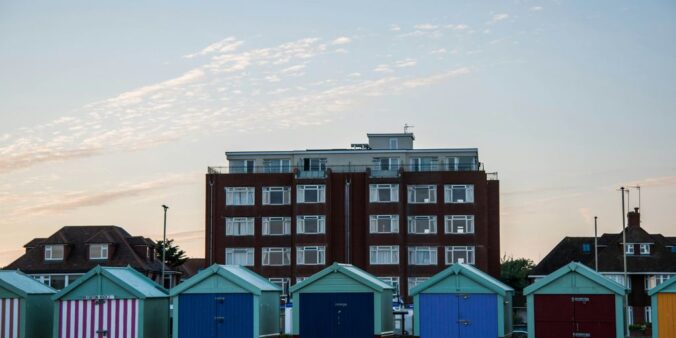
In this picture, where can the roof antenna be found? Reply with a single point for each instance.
(638, 188)
(407, 127)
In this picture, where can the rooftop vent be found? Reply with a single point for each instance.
(360, 146)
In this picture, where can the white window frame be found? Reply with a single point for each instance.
(282, 282)
(431, 193)
(300, 279)
(301, 189)
(618, 278)
(394, 143)
(301, 255)
(319, 167)
(391, 250)
(234, 226)
(652, 281)
(469, 250)
(432, 224)
(50, 254)
(648, 314)
(449, 226)
(644, 249)
(449, 195)
(415, 281)
(393, 163)
(250, 196)
(286, 195)
(284, 251)
(630, 315)
(629, 248)
(416, 254)
(242, 166)
(300, 224)
(248, 253)
(374, 195)
(102, 251)
(286, 226)
(277, 165)
(374, 226)
(393, 281)
(47, 278)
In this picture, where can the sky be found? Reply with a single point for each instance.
(110, 109)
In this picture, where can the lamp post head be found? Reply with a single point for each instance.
(165, 207)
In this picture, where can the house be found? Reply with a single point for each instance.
(651, 260)
(69, 253)
(191, 267)
(400, 213)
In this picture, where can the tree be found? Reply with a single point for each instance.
(514, 272)
(174, 257)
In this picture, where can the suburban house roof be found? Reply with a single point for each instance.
(581, 269)
(126, 278)
(468, 271)
(22, 285)
(191, 267)
(610, 252)
(348, 270)
(239, 275)
(76, 258)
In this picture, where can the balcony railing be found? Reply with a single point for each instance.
(373, 170)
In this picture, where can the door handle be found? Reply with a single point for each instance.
(220, 299)
(219, 319)
(464, 322)
(581, 334)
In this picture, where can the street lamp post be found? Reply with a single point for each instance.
(164, 241)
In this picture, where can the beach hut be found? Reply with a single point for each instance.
(342, 301)
(575, 301)
(226, 301)
(462, 301)
(663, 298)
(25, 306)
(111, 302)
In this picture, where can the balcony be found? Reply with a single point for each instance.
(372, 170)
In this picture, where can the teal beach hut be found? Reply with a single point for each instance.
(25, 306)
(226, 301)
(462, 301)
(663, 307)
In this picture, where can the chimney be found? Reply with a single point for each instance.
(634, 218)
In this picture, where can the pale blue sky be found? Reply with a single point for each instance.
(110, 109)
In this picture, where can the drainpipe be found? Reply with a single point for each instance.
(348, 182)
(211, 221)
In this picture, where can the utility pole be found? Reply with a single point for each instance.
(164, 242)
(624, 255)
(596, 245)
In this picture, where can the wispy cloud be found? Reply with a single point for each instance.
(341, 40)
(655, 182)
(499, 17)
(432, 79)
(425, 26)
(536, 8)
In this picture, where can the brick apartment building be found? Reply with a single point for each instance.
(400, 213)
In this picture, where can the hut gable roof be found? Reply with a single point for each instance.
(348, 270)
(22, 285)
(580, 269)
(468, 271)
(241, 276)
(126, 278)
(669, 284)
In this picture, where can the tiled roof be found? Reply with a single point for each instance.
(191, 267)
(76, 239)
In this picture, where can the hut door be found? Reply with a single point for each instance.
(477, 315)
(110, 318)
(666, 314)
(336, 315)
(9, 317)
(215, 315)
(594, 315)
(234, 315)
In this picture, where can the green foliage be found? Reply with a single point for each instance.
(514, 272)
(174, 256)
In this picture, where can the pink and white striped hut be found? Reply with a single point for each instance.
(25, 306)
(111, 302)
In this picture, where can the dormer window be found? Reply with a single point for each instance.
(54, 252)
(98, 251)
(586, 247)
(645, 249)
(629, 249)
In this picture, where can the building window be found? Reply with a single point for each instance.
(54, 252)
(652, 281)
(384, 255)
(384, 224)
(459, 254)
(276, 256)
(277, 166)
(311, 194)
(239, 196)
(57, 281)
(239, 256)
(462, 163)
(98, 251)
(394, 143)
(393, 281)
(276, 195)
(422, 255)
(242, 166)
(415, 281)
(310, 224)
(300, 279)
(619, 279)
(630, 315)
(282, 282)
(459, 193)
(422, 225)
(239, 226)
(386, 163)
(648, 314)
(314, 164)
(459, 224)
(424, 164)
(422, 194)
(384, 193)
(311, 255)
(276, 226)
(644, 249)
(673, 249)
(629, 248)
(586, 247)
